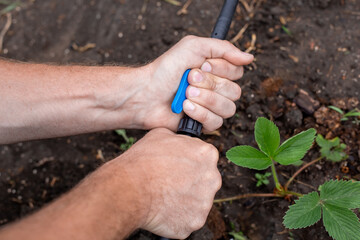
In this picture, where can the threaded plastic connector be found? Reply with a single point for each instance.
(190, 127)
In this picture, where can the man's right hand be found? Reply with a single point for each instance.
(177, 178)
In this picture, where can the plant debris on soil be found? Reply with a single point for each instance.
(307, 58)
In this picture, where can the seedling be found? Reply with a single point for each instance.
(237, 235)
(262, 179)
(286, 30)
(345, 116)
(9, 6)
(332, 149)
(129, 141)
(336, 198)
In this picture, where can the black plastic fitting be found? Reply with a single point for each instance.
(189, 126)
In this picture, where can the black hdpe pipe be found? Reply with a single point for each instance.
(189, 126)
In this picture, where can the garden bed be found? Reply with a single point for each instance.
(307, 58)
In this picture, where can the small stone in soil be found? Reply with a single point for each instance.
(294, 118)
(306, 103)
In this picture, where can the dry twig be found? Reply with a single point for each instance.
(5, 30)
(184, 10)
(240, 34)
(84, 48)
(252, 44)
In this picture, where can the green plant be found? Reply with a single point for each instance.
(129, 141)
(334, 204)
(237, 235)
(286, 30)
(262, 179)
(9, 6)
(345, 116)
(332, 149)
(336, 197)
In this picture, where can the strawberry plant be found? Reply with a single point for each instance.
(336, 198)
(262, 179)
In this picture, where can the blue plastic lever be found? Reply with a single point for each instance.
(177, 104)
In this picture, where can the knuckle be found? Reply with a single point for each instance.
(213, 152)
(218, 180)
(214, 85)
(211, 99)
(205, 117)
(197, 223)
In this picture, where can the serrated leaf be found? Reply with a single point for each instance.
(341, 223)
(246, 156)
(341, 193)
(294, 149)
(267, 136)
(305, 212)
(331, 149)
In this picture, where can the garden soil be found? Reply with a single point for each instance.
(307, 57)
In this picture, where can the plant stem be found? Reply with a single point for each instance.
(247, 195)
(276, 180)
(293, 193)
(299, 171)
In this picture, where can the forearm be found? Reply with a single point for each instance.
(43, 101)
(102, 207)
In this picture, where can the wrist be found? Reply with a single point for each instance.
(124, 193)
(122, 100)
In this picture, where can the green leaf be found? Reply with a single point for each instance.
(341, 193)
(286, 30)
(353, 113)
(237, 235)
(341, 223)
(298, 163)
(305, 212)
(294, 149)
(336, 109)
(267, 136)
(322, 142)
(9, 8)
(246, 156)
(331, 149)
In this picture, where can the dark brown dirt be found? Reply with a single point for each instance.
(319, 59)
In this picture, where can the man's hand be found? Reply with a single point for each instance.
(44, 101)
(180, 178)
(215, 65)
(165, 183)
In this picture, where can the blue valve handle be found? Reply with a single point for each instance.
(177, 104)
(187, 125)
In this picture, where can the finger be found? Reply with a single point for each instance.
(224, 87)
(210, 120)
(212, 101)
(223, 68)
(210, 48)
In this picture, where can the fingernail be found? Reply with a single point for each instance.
(193, 92)
(206, 67)
(197, 77)
(188, 106)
